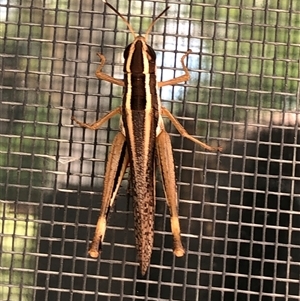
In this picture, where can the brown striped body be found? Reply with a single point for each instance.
(140, 120)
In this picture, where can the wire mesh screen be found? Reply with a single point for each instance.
(239, 209)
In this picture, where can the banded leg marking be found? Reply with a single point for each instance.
(166, 163)
(117, 163)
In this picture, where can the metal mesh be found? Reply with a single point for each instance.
(239, 209)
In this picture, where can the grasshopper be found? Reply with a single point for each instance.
(142, 143)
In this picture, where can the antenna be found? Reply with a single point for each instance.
(128, 24)
(122, 17)
(154, 21)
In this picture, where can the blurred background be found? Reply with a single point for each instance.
(239, 209)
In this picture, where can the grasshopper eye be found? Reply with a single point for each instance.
(151, 54)
(126, 51)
